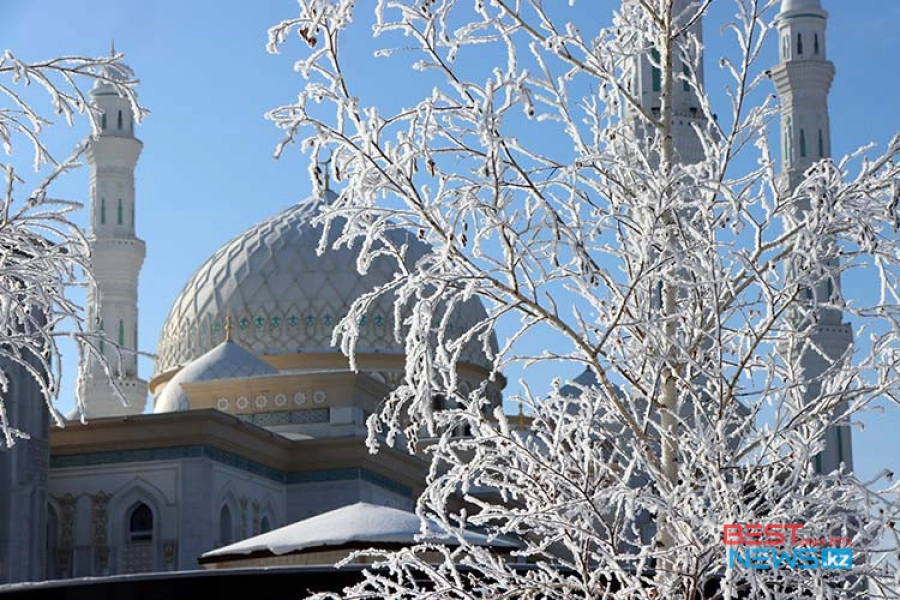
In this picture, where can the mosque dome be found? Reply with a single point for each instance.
(225, 361)
(283, 298)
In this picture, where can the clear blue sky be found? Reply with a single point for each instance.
(207, 171)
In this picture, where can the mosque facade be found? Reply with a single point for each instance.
(256, 421)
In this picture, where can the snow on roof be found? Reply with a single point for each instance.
(360, 523)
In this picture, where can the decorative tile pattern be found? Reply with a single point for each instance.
(226, 458)
(271, 276)
(313, 415)
(271, 418)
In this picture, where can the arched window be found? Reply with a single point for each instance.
(686, 70)
(816, 44)
(788, 148)
(119, 120)
(121, 333)
(140, 524)
(103, 121)
(225, 526)
(840, 446)
(656, 76)
(120, 213)
(821, 144)
(802, 144)
(799, 43)
(264, 525)
(139, 550)
(102, 211)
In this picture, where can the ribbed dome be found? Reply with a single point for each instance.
(225, 361)
(283, 298)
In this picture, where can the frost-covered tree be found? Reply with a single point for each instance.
(43, 252)
(578, 181)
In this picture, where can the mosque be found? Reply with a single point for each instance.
(257, 422)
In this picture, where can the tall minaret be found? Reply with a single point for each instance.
(685, 102)
(117, 255)
(803, 78)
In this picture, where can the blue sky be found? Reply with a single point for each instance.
(207, 172)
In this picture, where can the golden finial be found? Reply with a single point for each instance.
(228, 327)
(521, 423)
(324, 171)
(112, 47)
(328, 174)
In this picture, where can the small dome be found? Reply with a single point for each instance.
(102, 88)
(790, 5)
(586, 380)
(226, 361)
(284, 298)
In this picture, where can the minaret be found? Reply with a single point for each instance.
(803, 78)
(686, 110)
(117, 256)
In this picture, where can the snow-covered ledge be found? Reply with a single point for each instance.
(330, 537)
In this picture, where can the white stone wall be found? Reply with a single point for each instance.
(92, 506)
(306, 500)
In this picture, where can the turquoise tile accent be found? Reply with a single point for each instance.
(230, 459)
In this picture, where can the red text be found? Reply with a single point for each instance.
(757, 534)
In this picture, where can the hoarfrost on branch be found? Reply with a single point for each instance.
(687, 289)
(43, 252)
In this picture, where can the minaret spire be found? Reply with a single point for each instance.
(117, 255)
(803, 78)
(686, 109)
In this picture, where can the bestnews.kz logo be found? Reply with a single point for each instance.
(744, 541)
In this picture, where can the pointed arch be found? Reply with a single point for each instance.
(821, 144)
(119, 120)
(120, 213)
(135, 555)
(102, 211)
(269, 519)
(226, 517)
(135, 526)
(140, 523)
(802, 143)
(816, 44)
(799, 44)
(265, 526)
(226, 525)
